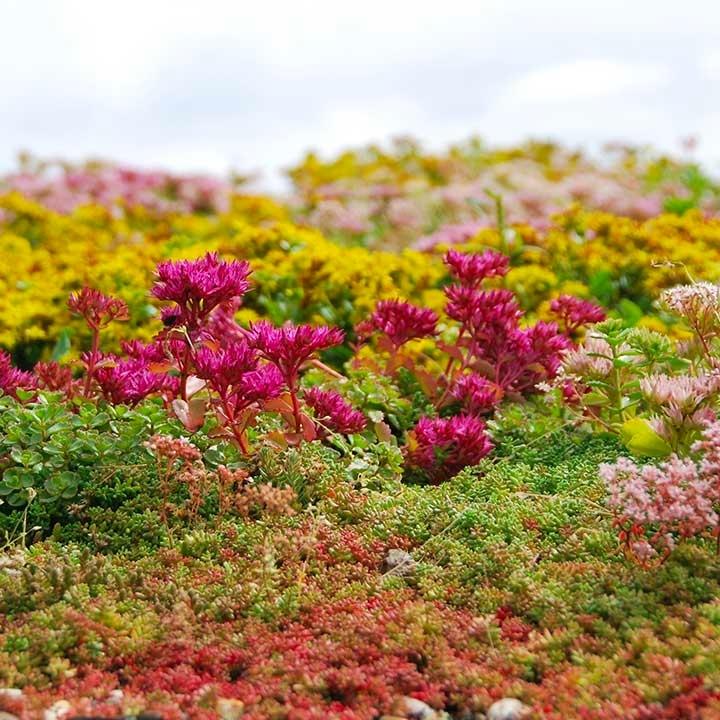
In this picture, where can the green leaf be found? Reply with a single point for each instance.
(601, 286)
(630, 312)
(62, 346)
(642, 440)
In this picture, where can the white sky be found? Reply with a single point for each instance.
(251, 84)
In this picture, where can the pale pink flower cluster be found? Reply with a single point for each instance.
(591, 360)
(657, 505)
(682, 391)
(681, 403)
(63, 188)
(698, 304)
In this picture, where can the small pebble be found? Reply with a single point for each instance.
(414, 709)
(508, 709)
(399, 562)
(13, 693)
(229, 708)
(57, 711)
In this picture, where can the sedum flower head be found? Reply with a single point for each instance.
(400, 321)
(96, 308)
(227, 366)
(574, 312)
(197, 287)
(290, 346)
(441, 447)
(333, 412)
(477, 394)
(128, 382)
(470, 269)
(12, 379)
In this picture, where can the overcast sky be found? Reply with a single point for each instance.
(251, 84)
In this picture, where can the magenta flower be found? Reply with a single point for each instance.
(575, 312)
(484, 310)
(97, 309)
(441, 447)
(12, 379)
(257, 386)
(477, 394)
(290, 346)
(470, 269)
(150, 353)
(221, 323)
(530, 356)
(53, 376)
(399, 321)
(127, 382)
(226, 367)
(197, 287)
(333, 413)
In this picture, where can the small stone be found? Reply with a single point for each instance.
(399, 562)
(57, 711)
(414, 709)
(116, 696)
(230, 709)
(12, 693)
(508, 709)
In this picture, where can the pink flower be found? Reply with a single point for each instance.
(332, 412)
(12, 379)
(199, 286)
(227, 366)
(575, 312)
(399, 321)
(97, 309)
(657, 504)
(592, 360)
(471, 268)
(53, 376)
(151, 353)
(483, 311)
(256, 386)
(127, 382)
(222, 325)
(477, 394)
(290, 346)
(441, 447)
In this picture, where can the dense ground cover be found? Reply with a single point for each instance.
(434, 433)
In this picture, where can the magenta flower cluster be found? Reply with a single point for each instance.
(399, 321)
(491, 356)
(197, 287)
(290, 346)
(574, 312)
(202, 359)
(12, 379)
(441, 447)
(471, 269)
(333, 413)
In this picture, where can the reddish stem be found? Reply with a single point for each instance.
(295, 406)
(238, 433)
(91, 362)
(184, 373)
